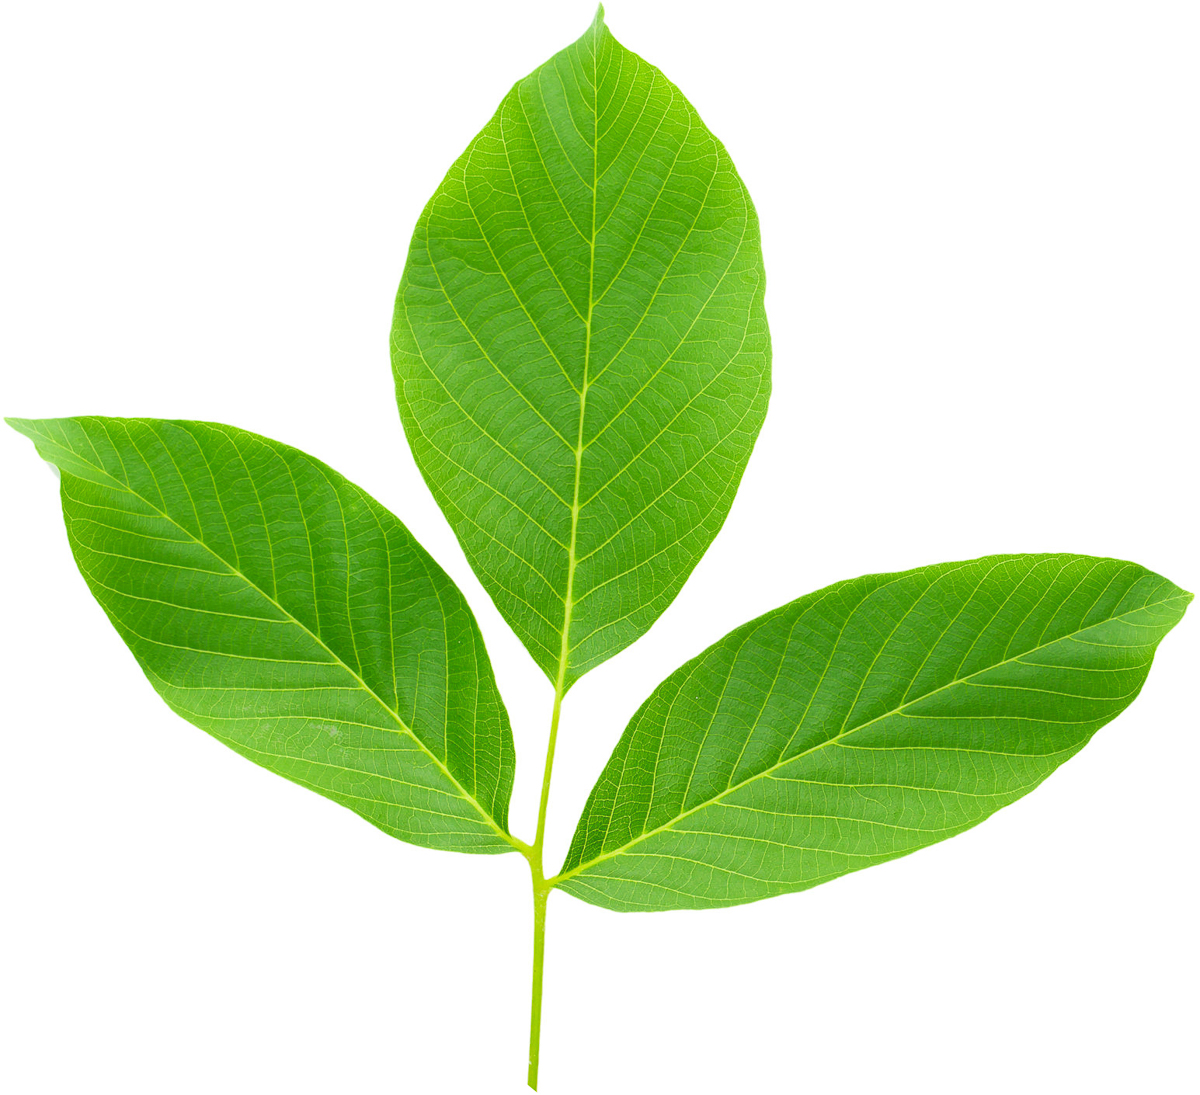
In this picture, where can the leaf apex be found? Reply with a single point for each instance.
(598, 19)
(23, 426)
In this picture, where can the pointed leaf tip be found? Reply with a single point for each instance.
(598, 19)
(24, 426)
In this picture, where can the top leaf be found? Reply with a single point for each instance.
(580, 349)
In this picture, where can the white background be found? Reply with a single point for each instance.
(981, 232)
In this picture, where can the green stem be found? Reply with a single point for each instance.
(541, 893)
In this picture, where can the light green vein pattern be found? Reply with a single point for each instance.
(580, 349)
(278, 607)
(863, 722)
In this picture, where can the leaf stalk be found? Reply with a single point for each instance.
(541, 890)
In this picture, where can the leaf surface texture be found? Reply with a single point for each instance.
(863, 722)
(277, 606)
(580, 349)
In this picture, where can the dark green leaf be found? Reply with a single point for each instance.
(275, 605)
(581, 353)
(863, 722)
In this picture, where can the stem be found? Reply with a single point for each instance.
(540, 894)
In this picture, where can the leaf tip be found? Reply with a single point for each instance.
(28, 427)
(598, 20)
(1183, 597)
(23, 426)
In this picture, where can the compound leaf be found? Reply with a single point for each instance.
(580, 349)
(274, 604)
(863, 722)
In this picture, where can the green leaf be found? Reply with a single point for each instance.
(863, 722)
(580, 349)
(274, 604)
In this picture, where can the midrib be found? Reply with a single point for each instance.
(569, 596)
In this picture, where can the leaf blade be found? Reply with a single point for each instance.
(277, 606)
(934, 697)
(581, 352)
